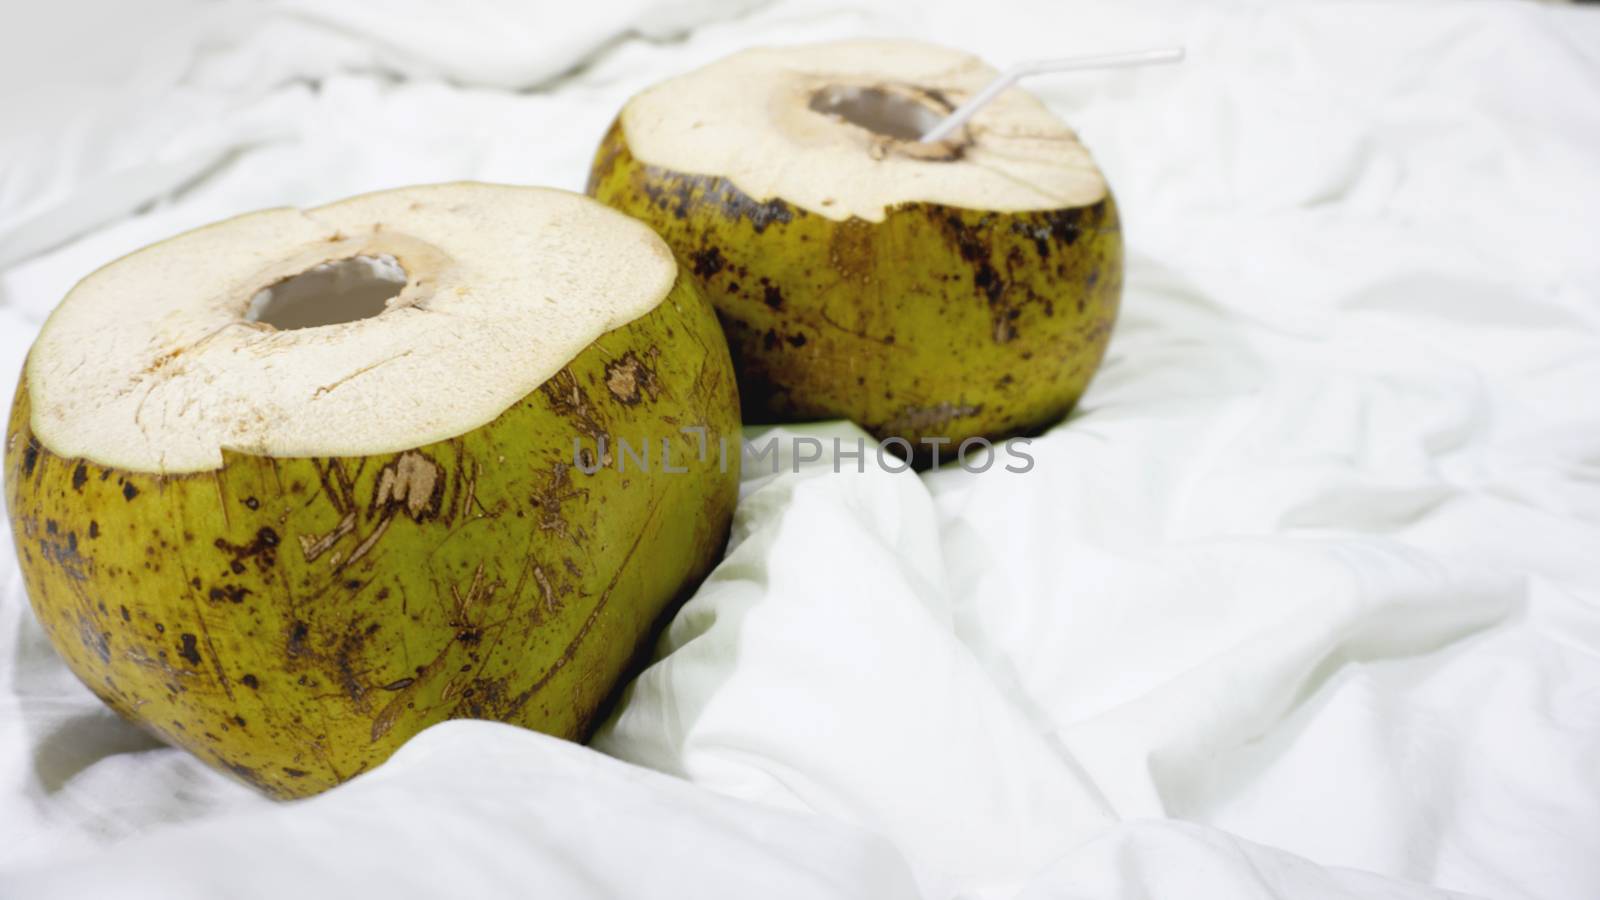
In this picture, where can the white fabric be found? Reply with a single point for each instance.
(1301, 603)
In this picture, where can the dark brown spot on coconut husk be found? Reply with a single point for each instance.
(344, 663)
(248, 775)
(62, 550)
(706, 262)
(296, 645)
(975, 243)
(30, 457)
(189, 649)
(771, 295)
(263, 550)
(231, 593)
(1053, 229)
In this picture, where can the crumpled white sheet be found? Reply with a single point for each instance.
(1301, 603)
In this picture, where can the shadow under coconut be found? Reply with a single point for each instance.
(65, 742)
(81, 741)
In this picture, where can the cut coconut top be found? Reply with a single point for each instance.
(833, 129)
(371, 325)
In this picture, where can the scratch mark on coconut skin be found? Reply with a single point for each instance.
(544, 587)
(211, 650)
(222, 500)
(143, 660)
(277, 572)
(567, 399)
(347, 487)
(479, 591)
(314, 547)
(548, 501)
(314, 740)
(457, 479)
(571, 649)
(367, 544)
(498, 628)
(340, 499)
(472, 489)
(822, 313)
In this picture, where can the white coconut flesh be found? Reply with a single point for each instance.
(370, 325)
(832, 129)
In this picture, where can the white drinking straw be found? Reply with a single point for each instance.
(1039, 66)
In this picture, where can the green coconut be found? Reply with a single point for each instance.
(292, 487)
(931, 292)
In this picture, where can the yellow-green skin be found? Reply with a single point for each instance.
(294, 621)
(937, 322)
